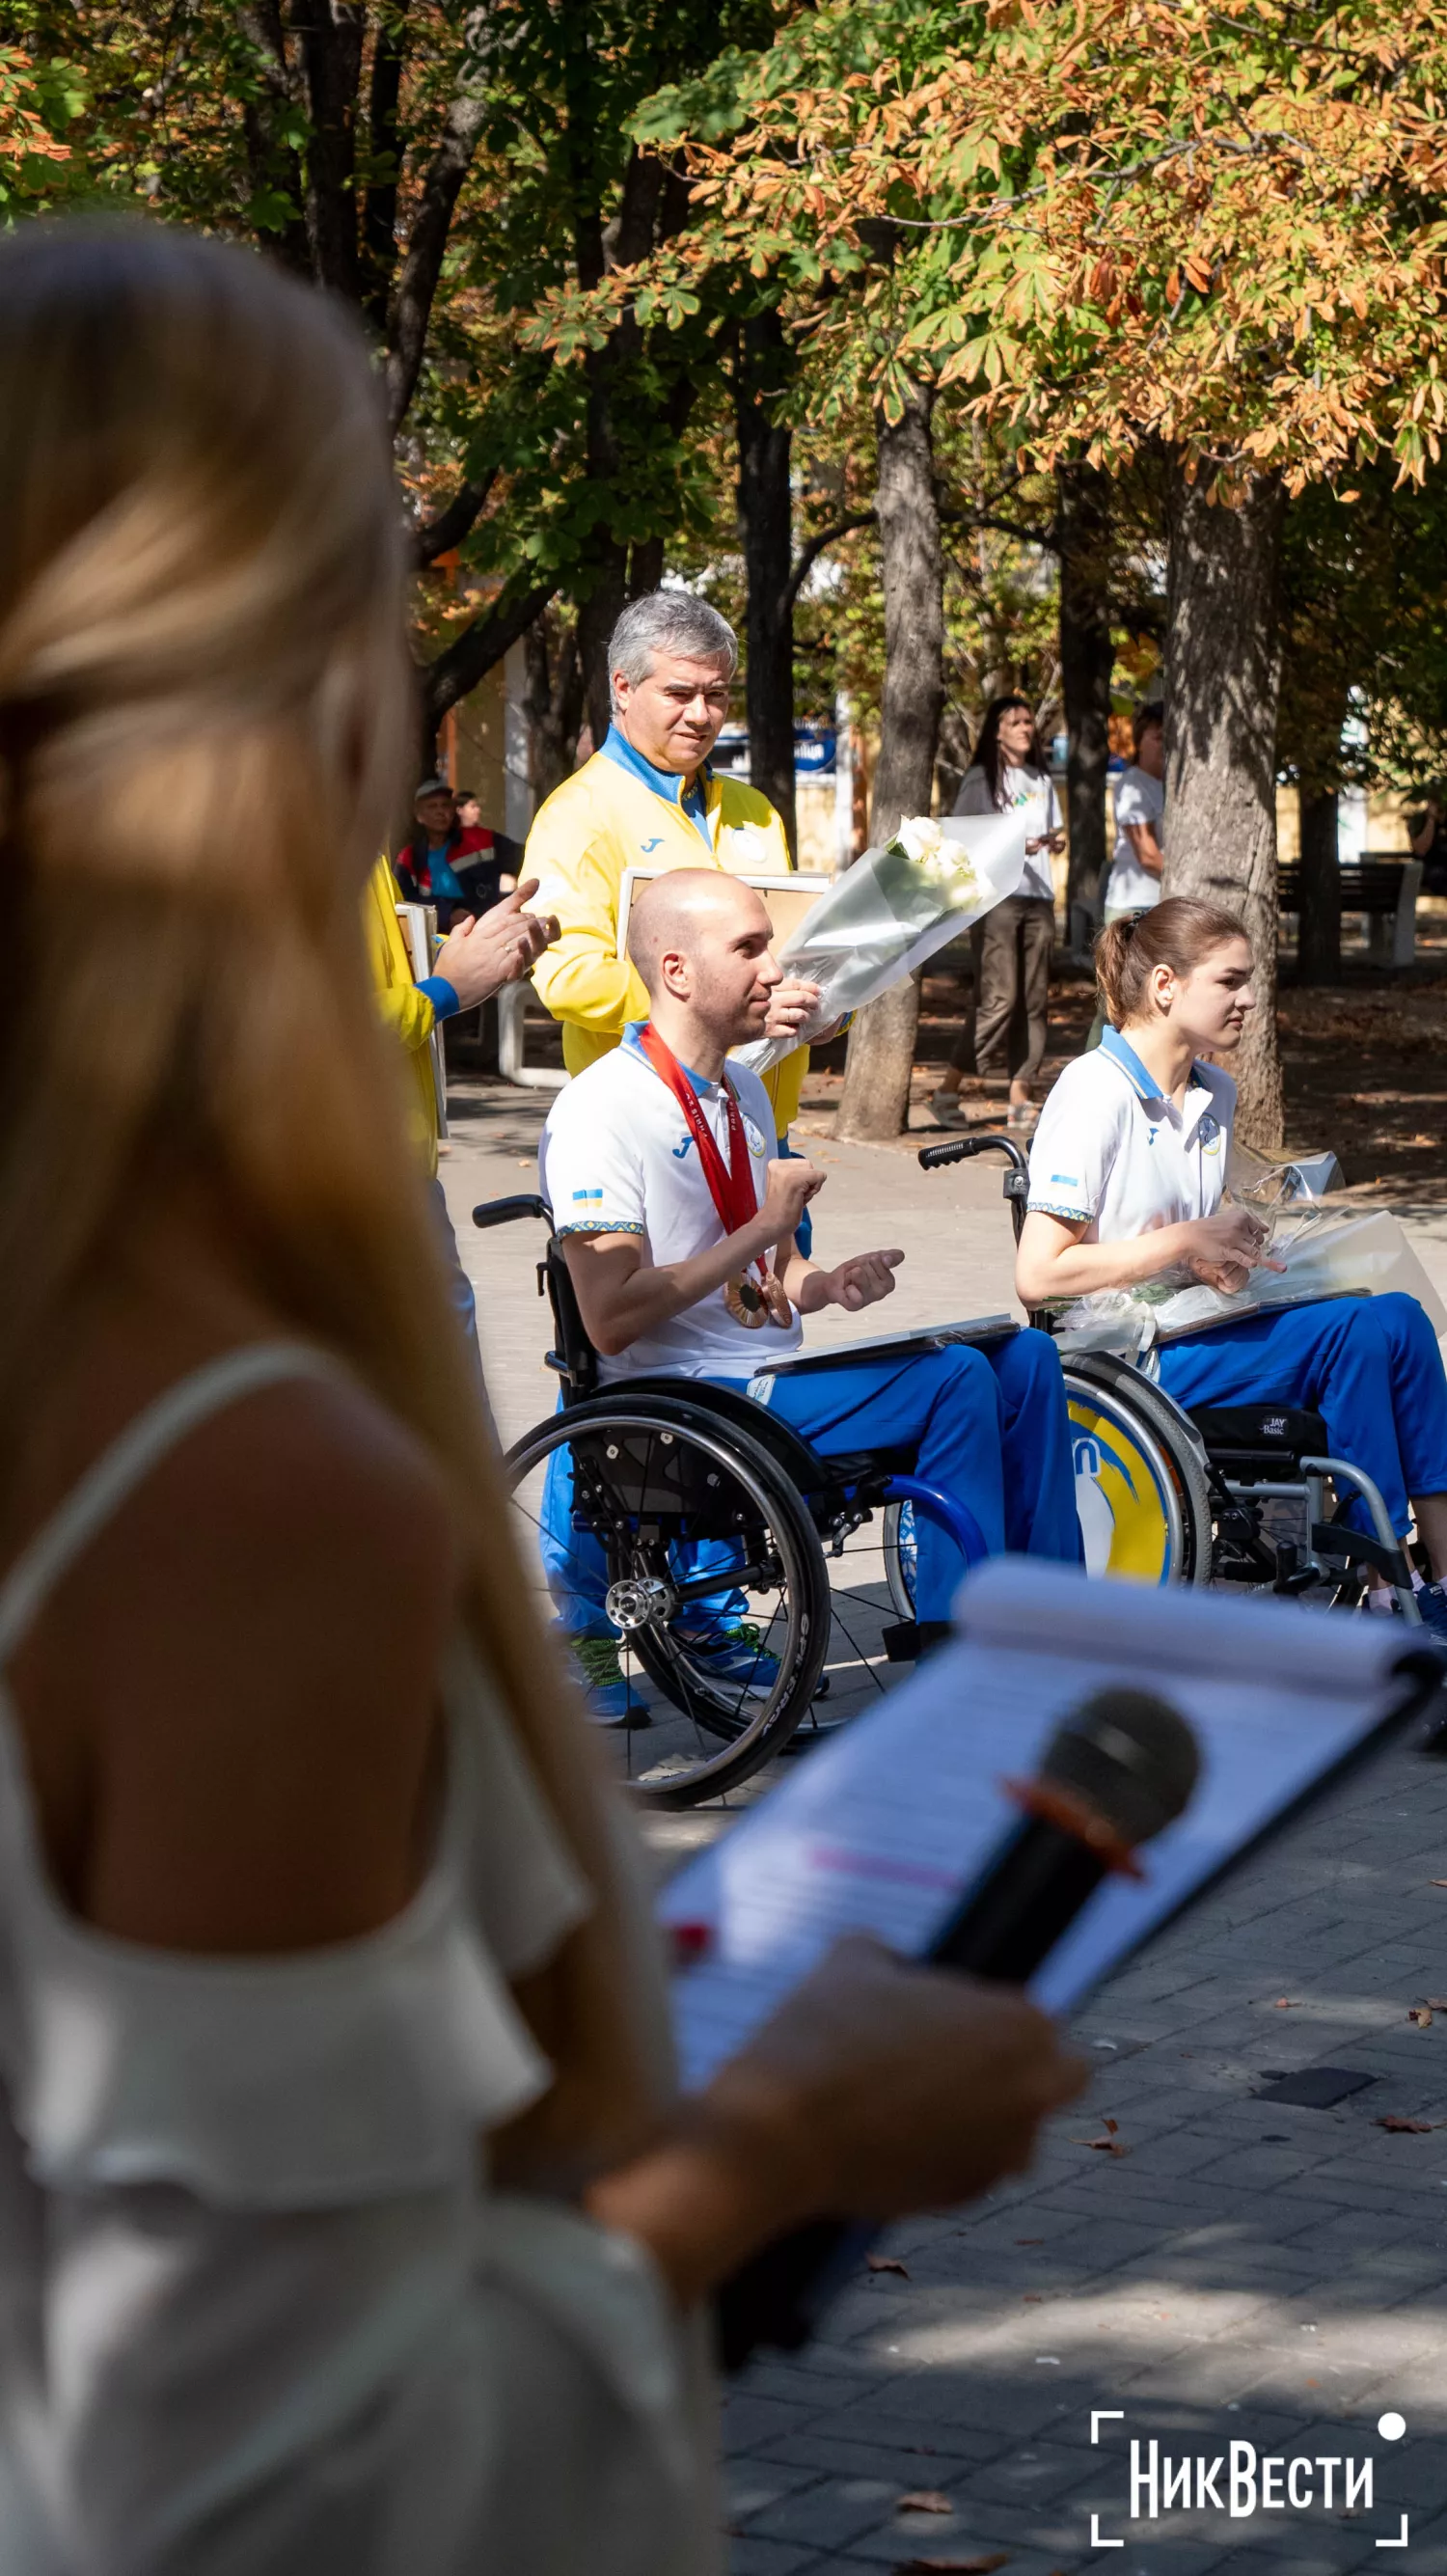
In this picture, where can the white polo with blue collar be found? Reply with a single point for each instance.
(617, 1157)
(1111, 1154)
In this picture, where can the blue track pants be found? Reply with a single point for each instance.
(1370, 1366)
(988, 1425)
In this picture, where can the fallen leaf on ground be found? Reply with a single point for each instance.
(1106, 2146)
(1033, 2299)
(953, 2566)
(886, 2263)
(1437, 2003)
(1413, 2128)
(1421, 2015)
(1437, 1882)
(924, 2500)
(1292, 2003)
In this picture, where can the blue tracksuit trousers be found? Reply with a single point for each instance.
(987, 1425)
(1370, 1366)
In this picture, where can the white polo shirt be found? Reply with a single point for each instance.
(1139, 798)
(1111, 1153)
(1021, 791)
(616, 1157)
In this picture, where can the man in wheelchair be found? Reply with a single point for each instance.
(1127, 1184)
(678, 1229)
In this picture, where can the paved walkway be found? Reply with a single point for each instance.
(1242, 2270)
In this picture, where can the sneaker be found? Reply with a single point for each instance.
(736, 1656)
(947, 1109)
(1432, 1602)
(608, 1695)
(1022, 1117)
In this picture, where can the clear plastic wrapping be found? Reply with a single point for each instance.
(892, 910)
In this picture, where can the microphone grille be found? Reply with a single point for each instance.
(1129, 1755)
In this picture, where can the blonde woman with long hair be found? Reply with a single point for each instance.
(348, 2222)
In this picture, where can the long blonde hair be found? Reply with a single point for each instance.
(206, 709)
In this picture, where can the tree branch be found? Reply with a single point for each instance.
(379, 220)
(411, 306)
(810, 553)
(472, 654)
(268, 158)
(451, 525)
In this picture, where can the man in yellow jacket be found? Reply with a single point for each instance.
(473, 963)
(647, 798)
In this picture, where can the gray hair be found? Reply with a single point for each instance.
(668, 621)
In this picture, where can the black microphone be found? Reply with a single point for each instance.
(1115, 1773)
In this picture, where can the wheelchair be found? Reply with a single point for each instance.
(692, 1527)
(1243, 1494)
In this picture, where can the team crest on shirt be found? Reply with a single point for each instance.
(754, 1136)
(1209, 1134)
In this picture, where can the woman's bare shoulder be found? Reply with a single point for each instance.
(248, 1655)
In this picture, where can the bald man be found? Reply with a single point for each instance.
(670, 1279)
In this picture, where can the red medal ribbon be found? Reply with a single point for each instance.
(731, 1184)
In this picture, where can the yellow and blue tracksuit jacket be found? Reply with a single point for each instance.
(408, 1009)
(619, 812)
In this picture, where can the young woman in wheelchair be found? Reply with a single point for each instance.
(678, 1227)
(1127, 1180)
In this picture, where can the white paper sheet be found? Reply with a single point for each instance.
(883, 1829)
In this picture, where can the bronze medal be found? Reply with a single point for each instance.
(776, 1299)
(745, 1302)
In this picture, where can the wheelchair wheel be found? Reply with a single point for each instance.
(1141, 1485)
(686, 1571)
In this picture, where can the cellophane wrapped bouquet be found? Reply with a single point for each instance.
(1327, 1246)
(891, 910)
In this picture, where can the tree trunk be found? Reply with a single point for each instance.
(1086, 656)
(554, 703)
(766, 535)
(875, 1103)
(1223, 674)
(1318, 952)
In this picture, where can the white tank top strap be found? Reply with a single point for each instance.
(129, 1460)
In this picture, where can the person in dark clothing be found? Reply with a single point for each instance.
(453, 864)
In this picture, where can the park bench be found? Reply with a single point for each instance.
(1381, 886)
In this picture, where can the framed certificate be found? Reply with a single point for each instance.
(787, 896)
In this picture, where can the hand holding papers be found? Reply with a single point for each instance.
(885, 1828)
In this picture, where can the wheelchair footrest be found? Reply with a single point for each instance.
(1339, 1545)
(913, 1638)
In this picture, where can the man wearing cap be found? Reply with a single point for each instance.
(452, 864)
(648, 799)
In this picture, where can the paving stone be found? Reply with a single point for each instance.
(835, 2510)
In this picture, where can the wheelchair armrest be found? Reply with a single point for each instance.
(502, 1211)
(963, 1149)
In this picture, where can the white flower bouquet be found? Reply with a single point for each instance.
(1327, 1249)
(892, 910)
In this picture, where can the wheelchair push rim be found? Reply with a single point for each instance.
(699, 1561)
(1141, 1484)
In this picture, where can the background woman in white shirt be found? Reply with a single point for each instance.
(349, 2225)
(1127, 1179)
(1012, 944)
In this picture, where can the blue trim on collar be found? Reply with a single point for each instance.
(661, 782)
(630, 1040)
(1142, 1081)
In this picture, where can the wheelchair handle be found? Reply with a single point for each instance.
(963, 1149)
(503, 1211)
